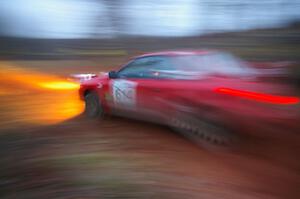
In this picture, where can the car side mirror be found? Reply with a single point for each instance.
(112, 74)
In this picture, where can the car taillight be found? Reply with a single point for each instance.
(274, 99)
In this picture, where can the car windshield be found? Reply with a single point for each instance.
(217, 63)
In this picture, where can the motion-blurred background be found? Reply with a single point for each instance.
(48, 150)
(64, 28)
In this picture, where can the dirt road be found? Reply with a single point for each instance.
(48, 149)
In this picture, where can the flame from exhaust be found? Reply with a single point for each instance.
(59, 85)
(35, 80)
(30, 97)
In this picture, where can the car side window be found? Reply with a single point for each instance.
(134, 69)
(145, 67)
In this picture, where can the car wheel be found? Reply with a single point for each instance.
(205, 133)
(93, 108)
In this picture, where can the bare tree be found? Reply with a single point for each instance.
(114, 17)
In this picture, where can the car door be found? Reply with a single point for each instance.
(147, 87)
(168, 87)
(155, 88)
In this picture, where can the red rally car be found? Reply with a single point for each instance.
(204, 94)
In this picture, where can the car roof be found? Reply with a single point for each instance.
(177, 53)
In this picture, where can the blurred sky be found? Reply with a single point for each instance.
(91, 18)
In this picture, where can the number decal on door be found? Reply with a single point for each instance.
(124, 93)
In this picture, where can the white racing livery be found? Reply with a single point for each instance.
(124, 93)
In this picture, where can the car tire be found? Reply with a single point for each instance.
(93, 107)
(207, 134)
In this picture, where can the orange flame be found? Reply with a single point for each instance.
(30, 97)
(59, 85)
